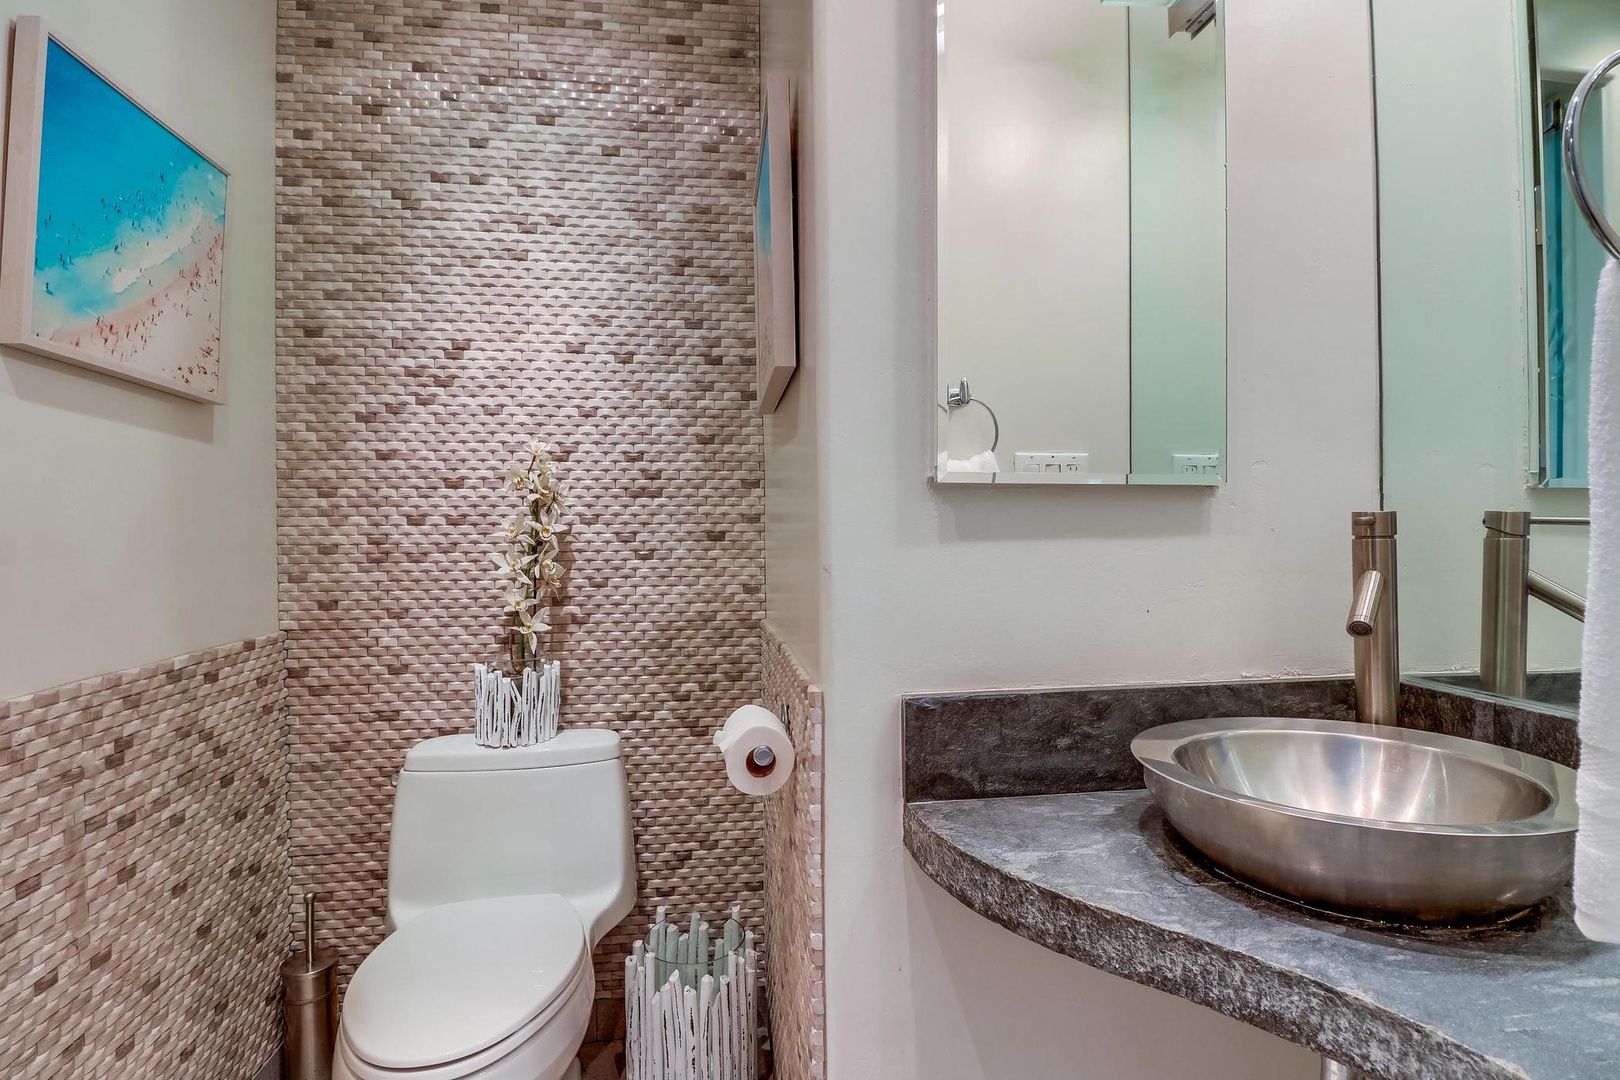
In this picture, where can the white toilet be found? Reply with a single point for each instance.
(505, 868)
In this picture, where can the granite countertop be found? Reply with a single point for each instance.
(1099, 876)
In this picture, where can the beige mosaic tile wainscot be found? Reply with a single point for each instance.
(497, 220)
(796, 971)
(143, 869)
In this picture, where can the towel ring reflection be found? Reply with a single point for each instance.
(959, 396)
(1575, 160)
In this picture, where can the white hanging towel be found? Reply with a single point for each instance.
(1597, 785)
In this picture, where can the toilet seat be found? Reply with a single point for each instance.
(462, 979)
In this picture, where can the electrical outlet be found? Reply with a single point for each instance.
(1052, 463)
(1195, 464)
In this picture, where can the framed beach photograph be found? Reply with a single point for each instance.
(775, 288)
(113, 250)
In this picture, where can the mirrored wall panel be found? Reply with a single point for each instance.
(1489, 276)
(1080, 298)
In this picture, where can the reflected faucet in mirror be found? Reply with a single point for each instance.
(1507, 586)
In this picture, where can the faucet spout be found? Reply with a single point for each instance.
(1364, 608)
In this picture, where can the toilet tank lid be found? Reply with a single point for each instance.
(459, 753)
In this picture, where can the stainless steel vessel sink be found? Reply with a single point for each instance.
(1373, 821)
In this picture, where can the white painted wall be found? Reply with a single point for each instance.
(929, 589)
(1459, 320)
(135, 525)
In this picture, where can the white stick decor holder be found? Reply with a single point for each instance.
(520, 711)
(691, 1002)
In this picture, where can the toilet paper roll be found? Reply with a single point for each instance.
(758, 752)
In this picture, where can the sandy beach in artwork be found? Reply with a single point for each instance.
(173, 329)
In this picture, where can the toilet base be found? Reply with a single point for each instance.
(574, 1072)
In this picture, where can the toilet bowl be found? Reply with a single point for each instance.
(506, 867)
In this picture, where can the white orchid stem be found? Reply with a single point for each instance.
(537, 545)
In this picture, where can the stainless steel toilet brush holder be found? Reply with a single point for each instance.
(310, 1002)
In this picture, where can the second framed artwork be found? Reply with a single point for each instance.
(113, 251)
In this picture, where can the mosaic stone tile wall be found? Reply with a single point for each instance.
(143, 867)
(502, 219)
(796, 970)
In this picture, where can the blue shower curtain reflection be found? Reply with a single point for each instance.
(1553, 231)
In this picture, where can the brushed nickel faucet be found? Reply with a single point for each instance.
(1374, 617)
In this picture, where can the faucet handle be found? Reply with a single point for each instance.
(1510, 523)
(1372, 524)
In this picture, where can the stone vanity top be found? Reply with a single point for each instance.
(1098, 875)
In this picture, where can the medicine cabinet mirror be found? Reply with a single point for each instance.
(1079, 308)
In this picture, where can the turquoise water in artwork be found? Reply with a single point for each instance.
(762, 197)
(130, 222)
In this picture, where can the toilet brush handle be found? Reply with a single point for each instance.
(309, 930)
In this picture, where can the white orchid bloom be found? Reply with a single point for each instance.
(530, 626)
(519, 600)
(551, 574)
(515, 563)
(547, 499)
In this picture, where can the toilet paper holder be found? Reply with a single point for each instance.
(757, 749)
(761, 761)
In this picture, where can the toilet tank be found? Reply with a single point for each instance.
(472, 823)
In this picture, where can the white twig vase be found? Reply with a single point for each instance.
(691, 1003)
(516, 710)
